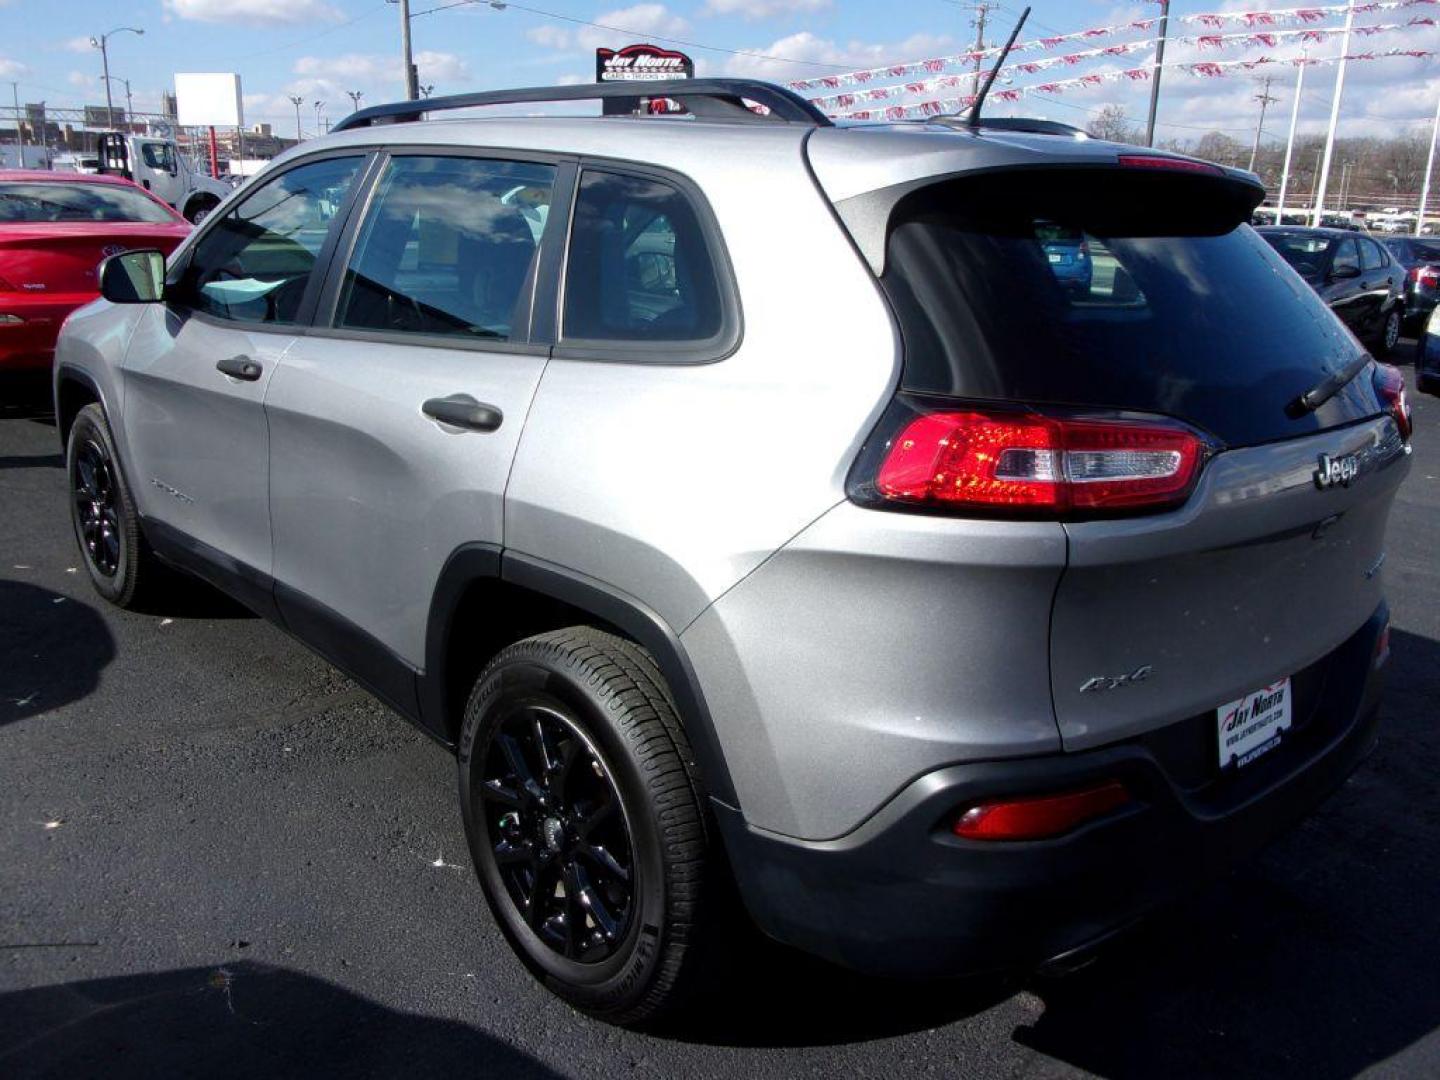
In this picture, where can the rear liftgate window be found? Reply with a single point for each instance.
(1098, 289)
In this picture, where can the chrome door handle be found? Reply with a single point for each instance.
(240, 367)
(462, 410)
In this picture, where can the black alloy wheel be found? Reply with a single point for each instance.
(557, 828)
(97, 510)
(588, 824)
(107, 528)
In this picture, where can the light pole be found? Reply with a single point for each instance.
(100, 43)
(129, 106)
(426, 91)
(297, 101)
(355, 96)
(318, 106)
(19, 127)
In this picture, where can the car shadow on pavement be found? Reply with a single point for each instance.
(52, 650)
(769, 995)
(240, 1020)
(1319, 959)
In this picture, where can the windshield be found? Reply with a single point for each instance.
(47, 201)
(1191, 318)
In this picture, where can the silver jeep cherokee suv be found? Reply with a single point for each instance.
(746, 498)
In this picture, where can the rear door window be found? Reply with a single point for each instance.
(446, 248)
(1371, 257)
(1096, 291)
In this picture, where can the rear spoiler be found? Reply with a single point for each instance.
(1201, 198)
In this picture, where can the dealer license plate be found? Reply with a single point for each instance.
(1253, 725)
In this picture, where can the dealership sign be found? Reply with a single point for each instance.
(640, 63)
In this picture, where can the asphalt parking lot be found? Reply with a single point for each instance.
(219, 857)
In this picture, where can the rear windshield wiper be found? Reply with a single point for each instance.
(1313, 398)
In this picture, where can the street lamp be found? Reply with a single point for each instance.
(319, 105)
(99, 43)
(355, 96)
(426, 91)
(297, 101)
(129, 106)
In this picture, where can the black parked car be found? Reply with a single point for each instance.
(1421, 260)
(1355, 275)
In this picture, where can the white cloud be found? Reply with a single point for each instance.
(11, 68)
(80, 79)
(761, 9)
(823, 55)
(371, 69)
(254, 12)
(78, 45)
(640, 20)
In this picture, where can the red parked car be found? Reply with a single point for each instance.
(55, 228)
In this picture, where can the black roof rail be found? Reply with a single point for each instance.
(712, 99)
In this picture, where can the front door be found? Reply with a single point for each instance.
(1343, 290)
(393, 431)
(199, 366)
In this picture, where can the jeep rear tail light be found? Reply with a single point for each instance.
(1425, 276)
(1036, 464)
(1390, 385)
(1039, 817)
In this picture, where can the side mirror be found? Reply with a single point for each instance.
(133, 277)
(1342, 273)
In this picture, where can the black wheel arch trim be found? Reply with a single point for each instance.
(473, 562)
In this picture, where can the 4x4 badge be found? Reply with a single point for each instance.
(1337, 470)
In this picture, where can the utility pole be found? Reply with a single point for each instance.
(297, 101)
(1155, 73)
(100, 43)
(1429, 165)
(1265, 99)
(1290, 142)
(1334, 111)
(410, 74)
(982, 13)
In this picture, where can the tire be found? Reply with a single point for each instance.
(199, 213)
(1389, 333)
(622, 930)
(103, 515)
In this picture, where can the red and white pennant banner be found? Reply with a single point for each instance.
(1266, 39)
(950, 82)
(1202, 69)
(1292, 16)
(940, 63)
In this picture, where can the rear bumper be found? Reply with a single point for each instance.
(902, 896)
(29, 344)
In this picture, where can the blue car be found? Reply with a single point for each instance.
(1069, 257)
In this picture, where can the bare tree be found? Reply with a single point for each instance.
(1113, 125)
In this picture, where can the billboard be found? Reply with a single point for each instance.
(208, 100)
(97, 116)
(640, 63)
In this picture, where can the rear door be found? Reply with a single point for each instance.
(199, 365)
(1266, 568)
(392, 430)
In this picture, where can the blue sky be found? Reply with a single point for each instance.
(319, 49)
